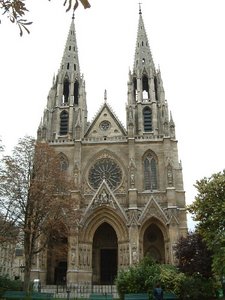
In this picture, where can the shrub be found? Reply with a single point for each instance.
(138, 279)
(197, 287)
(171, 279)
(7, 284)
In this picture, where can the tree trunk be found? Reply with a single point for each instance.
(27, 283)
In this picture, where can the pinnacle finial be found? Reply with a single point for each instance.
(73, 16)
(140, 8)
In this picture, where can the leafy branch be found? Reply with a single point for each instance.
(15, 10)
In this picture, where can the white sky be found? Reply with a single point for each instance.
(186, 39)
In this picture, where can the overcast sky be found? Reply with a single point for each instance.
(187, 42)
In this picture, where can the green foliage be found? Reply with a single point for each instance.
(197, 287)
(171, 279)
(138, 279)
(143, 277)
(209, 211)
(7, 284)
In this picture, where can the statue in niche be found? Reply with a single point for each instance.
(134, 255)
(166, 129)
(132, 168)
(170, 175)
(132, 180)
(76, 175)
(126, 257)
(104, 197)
(84, 257)
(88, 257)
(130, 113)
(81, 257)
(73, 256)
(121, 257)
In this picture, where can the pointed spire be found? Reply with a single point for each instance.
(70, 61)
(143, 56)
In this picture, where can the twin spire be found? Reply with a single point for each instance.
(143, 56)
(70, 61)
(142, 59)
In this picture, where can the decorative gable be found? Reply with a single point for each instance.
(104, 197)
(105, 124)
(153, 209)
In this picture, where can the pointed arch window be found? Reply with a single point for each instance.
(147, 117)
(150, 173)
(76, 92)
(64, 120)
(66, 90)
(135, 88)
(156, 88)
(145, 87)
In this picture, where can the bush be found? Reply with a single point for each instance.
(197, 287)
(138, 279)
(171, 279)
(143, 277)
(6, 284)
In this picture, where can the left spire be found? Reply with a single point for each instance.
(70, 61)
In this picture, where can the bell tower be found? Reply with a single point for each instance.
(147, 110)
(65, 116)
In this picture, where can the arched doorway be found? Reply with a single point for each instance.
(154, 245)
(57, 257)
(104, 255)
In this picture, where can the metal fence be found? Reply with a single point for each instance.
(79, 291)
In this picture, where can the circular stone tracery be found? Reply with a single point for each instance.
(105, 168)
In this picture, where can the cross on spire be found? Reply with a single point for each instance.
(105, 95)
(139, 7)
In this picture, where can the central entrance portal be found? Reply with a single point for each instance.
(108, 265)
(104, 256)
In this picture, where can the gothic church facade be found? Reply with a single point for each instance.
(127, 180)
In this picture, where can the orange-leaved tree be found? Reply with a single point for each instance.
(35, 197)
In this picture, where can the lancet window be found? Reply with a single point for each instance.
(76, 92)
(66, 90)
(150, 172)
(147, 117)
(64, 120)
(145, 87)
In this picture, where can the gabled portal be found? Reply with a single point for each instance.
(154, 243)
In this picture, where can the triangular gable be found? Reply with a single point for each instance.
(173, 220)
(104, 197)
(105, 124)
(153, 209)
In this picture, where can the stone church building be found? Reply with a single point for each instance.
(128, 180)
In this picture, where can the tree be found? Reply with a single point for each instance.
(209, 211)
(15, 10)
(35, 197)
(193, 255)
